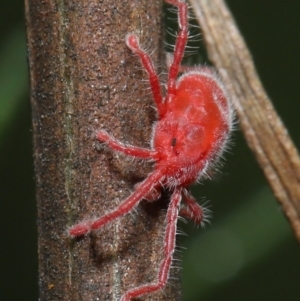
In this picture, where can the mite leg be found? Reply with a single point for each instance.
(152, 195)
(129, 150)
(179, 45)
(127, 205)
(208, 71)
(193, 210)
(133, 43)
(169, 246)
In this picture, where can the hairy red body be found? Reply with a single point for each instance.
(194, 122)
(194, 128)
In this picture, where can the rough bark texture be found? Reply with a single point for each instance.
(262, 127)
(84, 78)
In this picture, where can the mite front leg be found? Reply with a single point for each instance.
(179, 45)
(133, 43)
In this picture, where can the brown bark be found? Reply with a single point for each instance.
(84, 78)
(262, 127)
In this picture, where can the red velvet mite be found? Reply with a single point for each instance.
(195, 119)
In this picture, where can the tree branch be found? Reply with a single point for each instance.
(83, 78)
(262, 127)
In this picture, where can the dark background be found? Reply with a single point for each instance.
(248, 252)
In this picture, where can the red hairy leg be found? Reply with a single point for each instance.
(154, 194)
(192, 210)
(127, 205)
(179, 46)
(132, 43)
(169, 246)
(129, 150)
(184, 68)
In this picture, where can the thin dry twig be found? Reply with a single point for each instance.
(262, 127)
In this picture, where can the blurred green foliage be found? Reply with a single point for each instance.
(248, 252)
